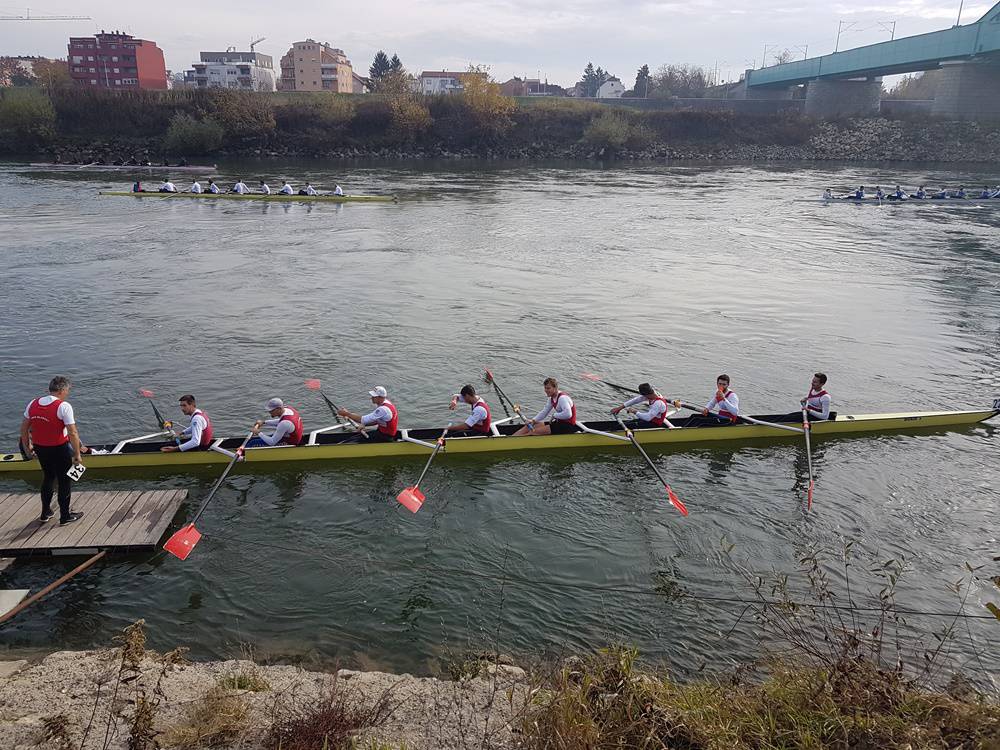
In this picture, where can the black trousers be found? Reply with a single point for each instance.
(56, 461)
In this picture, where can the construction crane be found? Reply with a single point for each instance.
(28, 17)
(256, 42)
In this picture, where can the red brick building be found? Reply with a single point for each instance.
(116, 61)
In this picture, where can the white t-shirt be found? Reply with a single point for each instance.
(382, 415)
(656, 409)
(64, 412)
(478, 413)
(265, 189)
(194, 431)
(168, 187)
(563, 410)
(338, 190)
(213, 188)
(730, 403)
(195, 187)
(310, 190)
(241, 188)
(282, 427)
(286, 189)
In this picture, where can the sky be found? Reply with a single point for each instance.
(527, 38)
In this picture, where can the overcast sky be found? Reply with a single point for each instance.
(512, 37)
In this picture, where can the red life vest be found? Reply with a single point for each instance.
(658, 421)
(295, 436)
(484, 426)
(722, 412)
(390, 427)
(555, 405)
(47, 429)
(817, 395)
(206, 434)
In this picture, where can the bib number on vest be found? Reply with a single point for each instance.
(996, 404)
(76, 471)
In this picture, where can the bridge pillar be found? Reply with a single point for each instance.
(843, 98)
(967, 90)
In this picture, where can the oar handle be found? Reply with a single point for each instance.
(334, 409)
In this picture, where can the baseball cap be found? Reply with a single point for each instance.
(275, 403)
(378, 392)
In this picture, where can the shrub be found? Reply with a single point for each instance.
(410, 118)
(617, 129)
(488, 109)
(242, 114)
(27, 118)
(186, 135)
(216, 720)
(334, 720)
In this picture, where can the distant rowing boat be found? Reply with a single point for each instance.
(331, 443)
(193, 168)
(278, 197)
(869, 200)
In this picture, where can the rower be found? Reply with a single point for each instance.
(264, 188)
(960, 193)
(900, 194)
(213, 188)
(479, 420)
(286, 189)
(860, 193)
(198, 433)
(137, 187)
(285, 421)
(941, 194)
(921, 193)
(195, 187)
(167, 186)
(827, 194)
(654, 417)
(308, 190)
(986, 193)
(562, 409)
(338, 190)
(240, 187)
(727, 402)
(879, 193)
(996, 192)
(817, 401)
(384, 415)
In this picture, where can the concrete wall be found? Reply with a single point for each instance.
(968, 90)
(906, 107)
(836, 98)
(742, 106)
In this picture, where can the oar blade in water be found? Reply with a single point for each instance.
(411, 498)
(313, 384)
(146, 392)
(676, 501)
(183, 541)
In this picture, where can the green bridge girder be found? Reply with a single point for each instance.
(910, 54)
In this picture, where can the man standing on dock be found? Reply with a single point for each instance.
(49, 432)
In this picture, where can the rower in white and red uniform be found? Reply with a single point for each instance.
(384, 416)
(285, 422)
(560, 407)
(655, 416)
(479, 420)
(818, 400)
(725, 401)
(198, 433)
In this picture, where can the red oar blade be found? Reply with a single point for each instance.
(411, 498)
(183, 541)
(810, 502)
(313, 384)
(146, 392)
(676, 501)
(591, 376)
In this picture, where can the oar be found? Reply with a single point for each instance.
(314, 384)
(751, 420)
(670, 493)
(598, 379)
(164, 423)
(412, 498)
(184, 539)
(488, 377)
(806, 428)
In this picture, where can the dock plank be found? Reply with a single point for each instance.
(113, 520)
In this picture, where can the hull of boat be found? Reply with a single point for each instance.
(147, 455)
(273, 197)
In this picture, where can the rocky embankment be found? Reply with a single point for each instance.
(127, 698)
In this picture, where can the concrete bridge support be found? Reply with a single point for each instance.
(843, 98)
(968, 90)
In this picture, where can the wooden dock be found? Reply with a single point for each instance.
(125, 521)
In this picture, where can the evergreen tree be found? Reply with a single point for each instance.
(395, 64)
(641, 88)
(380, 66)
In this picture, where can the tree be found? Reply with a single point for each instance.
(379, 68)
(592, 80)
(12, 73)
(918, 86)
(489, 109)
(52, 74)
(682, 81)
(396, 65)
(641, 87)
(783, 58)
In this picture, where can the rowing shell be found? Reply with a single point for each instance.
(329, 443)
(277, 197)
(869, 201)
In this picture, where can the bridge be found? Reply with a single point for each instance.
(850, 82)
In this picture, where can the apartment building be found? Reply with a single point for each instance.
(316, 66)
(116, 61)
(246, 71)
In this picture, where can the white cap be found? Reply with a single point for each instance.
(378, 392)
(275, 403)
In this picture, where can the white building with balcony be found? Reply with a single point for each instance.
(246, 71)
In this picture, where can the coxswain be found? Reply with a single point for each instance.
(285, 423)
(384, 416)
(137, 187)
(167, 186)
(338, 190)
(879, 193)
(264, 188)
(198, 433)
(827, 194)
(899, 194)
(479, 421)
(49, 432)
(860, 193)
(653, 417)
(195, 187)
(308, 190)
(213, 188)
(286, 189)
(240, 187)
(921, 193)
(727, 402)
(560, 407)
(817, 401)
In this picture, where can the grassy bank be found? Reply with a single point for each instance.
(83, 125)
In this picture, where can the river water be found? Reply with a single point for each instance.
(671, 274)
